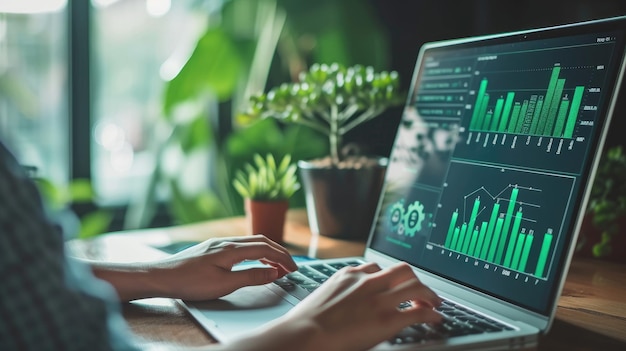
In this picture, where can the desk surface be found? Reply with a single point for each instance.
(591, 313)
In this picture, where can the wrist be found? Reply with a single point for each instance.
(132, 282)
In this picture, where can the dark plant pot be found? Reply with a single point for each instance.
(267, 218)
(341, 202)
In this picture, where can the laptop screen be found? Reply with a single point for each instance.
(489, 169)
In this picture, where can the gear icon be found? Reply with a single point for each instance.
(396, 212)
(414, 218)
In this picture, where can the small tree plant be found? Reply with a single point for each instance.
(331, 99)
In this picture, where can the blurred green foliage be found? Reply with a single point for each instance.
(331, 99)
(607, 201)
(79, 191)
(248, 45)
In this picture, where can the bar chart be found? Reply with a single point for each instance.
(553, 113)
(500, 240)
(509, 218)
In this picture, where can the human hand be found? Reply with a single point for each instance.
(355, 309)
(204, 271)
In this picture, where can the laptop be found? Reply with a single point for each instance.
(485, 190)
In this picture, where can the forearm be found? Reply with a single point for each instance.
(131, 281)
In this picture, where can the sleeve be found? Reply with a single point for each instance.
(48, 302)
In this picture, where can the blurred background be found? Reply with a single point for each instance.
(126, 108)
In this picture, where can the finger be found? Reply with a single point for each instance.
(382, 280)
(369, 267)
(399, 284)
(258, 251)
(281, 270)
(401, 273)
(259, 238)
(349, 275)
(414, 290)
(415, 315)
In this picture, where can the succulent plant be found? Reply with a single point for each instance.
(331, 99)
(266, 180)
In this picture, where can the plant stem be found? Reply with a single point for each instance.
(334, 136)
(365, 116)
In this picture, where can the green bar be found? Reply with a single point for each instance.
(543, 255)
(514, 124)
(490, 227)
(521, 123)
(481, 239)
(466, 233)
(496, 238)
(560, 119)
(513, 240)
(543, 118)
(558, 92)
(455, 215)
(518, 250)
(496, 115)
(476, 121)
(507, 224)
(462, 244)
(527, 245)
(473, 242)
(536, 115)
(455, 238)
(573, 112)
(488, 117)
(482, 123)
(474, 214)
(504, 120)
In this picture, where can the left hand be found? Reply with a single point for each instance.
(204, 271)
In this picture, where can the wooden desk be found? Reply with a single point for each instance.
(591, 314)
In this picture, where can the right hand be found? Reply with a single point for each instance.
(355, 309)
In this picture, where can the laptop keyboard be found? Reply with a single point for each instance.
(457, 320)
(309, 277)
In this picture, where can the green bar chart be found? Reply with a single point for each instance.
(553, 113)
(500, 240)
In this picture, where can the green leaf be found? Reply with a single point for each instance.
(196, 134)
(80, 190)
(284, 164)
(242, 188)
(94, 223)
(53, 196)
(214, 66)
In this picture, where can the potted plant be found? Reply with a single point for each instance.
(601, 233)
(341, 189)
(266, 188)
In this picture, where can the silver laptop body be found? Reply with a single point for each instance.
(487, 182)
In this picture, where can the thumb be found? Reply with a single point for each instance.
(254, 276)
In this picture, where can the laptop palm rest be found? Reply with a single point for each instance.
(240, 311)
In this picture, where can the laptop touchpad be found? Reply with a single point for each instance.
(241, 310)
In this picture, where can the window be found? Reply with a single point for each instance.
(135, 46)
(34, 86)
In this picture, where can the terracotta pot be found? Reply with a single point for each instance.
(267, 218)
